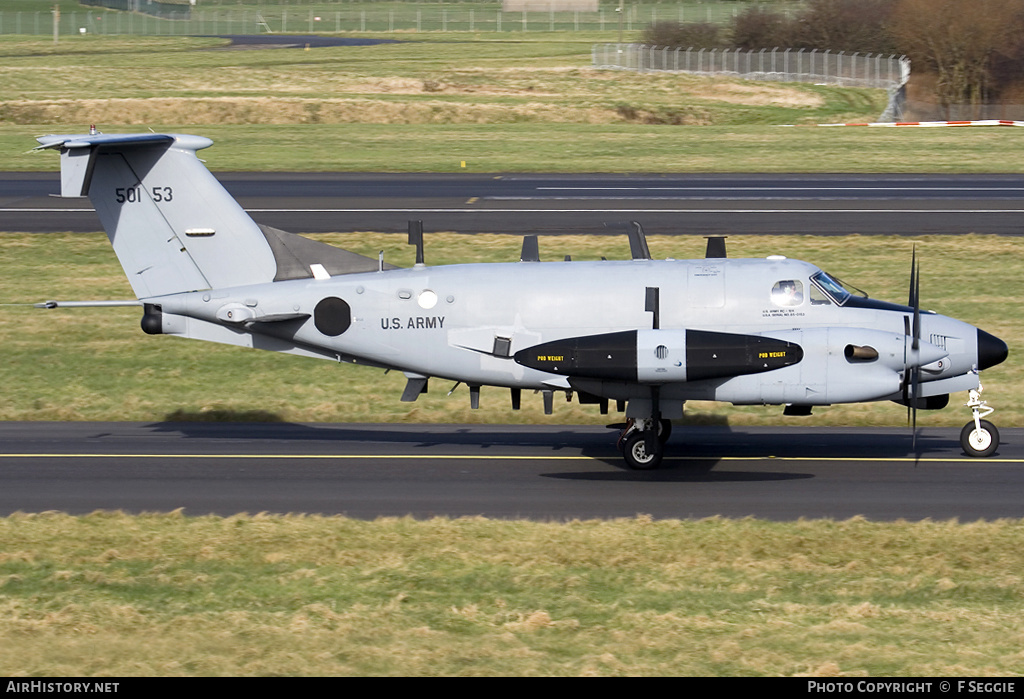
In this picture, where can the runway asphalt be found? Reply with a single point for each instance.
(534, 472)
(581, 204)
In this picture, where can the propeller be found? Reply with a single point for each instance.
(912, 373)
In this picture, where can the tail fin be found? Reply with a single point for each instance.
(173, 226)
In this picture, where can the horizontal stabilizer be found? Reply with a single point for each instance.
(78, 155)
(100, 139)
(88, 304)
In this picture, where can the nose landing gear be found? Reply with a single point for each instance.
(979, 437)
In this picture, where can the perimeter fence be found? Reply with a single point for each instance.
(784, 65)
(331, 16)
(890, 73)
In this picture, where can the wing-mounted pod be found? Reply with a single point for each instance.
(660, 356)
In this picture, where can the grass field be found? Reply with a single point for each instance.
(573, 148)
(155, 595)
(430, 105)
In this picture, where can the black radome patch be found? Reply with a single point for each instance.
(332, 316)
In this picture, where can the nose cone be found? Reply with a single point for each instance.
(991, 350)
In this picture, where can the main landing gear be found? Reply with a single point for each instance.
(642, 442)
(979, 437)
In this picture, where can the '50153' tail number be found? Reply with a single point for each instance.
(132, 195)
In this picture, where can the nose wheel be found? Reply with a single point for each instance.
(979, 437)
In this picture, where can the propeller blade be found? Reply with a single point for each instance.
(911, 372)
(912, 300)
(917, 308)
(914, 385)
(908, 362)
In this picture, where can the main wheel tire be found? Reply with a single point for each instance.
(983, 442)
(636, 454)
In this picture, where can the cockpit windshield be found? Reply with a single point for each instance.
(835, 289)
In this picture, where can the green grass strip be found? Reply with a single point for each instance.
(109, 594)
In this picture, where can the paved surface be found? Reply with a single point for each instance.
(538, 472)
(553, 204)
(290, 41)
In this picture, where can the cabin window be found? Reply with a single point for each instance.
(789, 292)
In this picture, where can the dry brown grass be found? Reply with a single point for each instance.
(467, 82)
(542, 94)
(282, 110)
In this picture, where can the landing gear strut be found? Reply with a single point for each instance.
(979, 437)
(642, 442)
